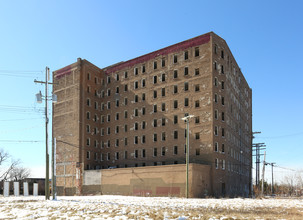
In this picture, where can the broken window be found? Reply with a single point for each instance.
(185, 71)
(143, 68)
(197, 103)
(136, 71)
(175, 103)
(163, 92)
(163, 151)
(175, 119)
(155, 65)
(155, 137)
(136, 85)
(216, 147)
(175, 150)
(155, 94)
(197, 151)
(175, 134)
(163, 136)
(197, 135)
(185, 55)
(186, 102)
(197, 119)
(143, 83)
(175, 58)
(186, 86)
(175, 74)
(155, 79)
(155, 107)
(197, 88)
(197, 52)
(155, 152)
(163, 62)
(163, 107)
(175, 89)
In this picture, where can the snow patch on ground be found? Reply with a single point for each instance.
(129, 207)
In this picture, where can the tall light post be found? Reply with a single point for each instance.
(186, 120)
(39, 98)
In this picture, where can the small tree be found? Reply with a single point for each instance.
(18, 173)
(10, 169)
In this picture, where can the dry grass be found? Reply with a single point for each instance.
(81, 210)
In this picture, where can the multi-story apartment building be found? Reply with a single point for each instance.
(129, 114)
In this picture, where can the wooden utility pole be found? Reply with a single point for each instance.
(263, 174)
(39, 96)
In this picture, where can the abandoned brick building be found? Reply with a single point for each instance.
(128, 115)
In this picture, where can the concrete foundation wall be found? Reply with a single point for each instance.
(166, 180)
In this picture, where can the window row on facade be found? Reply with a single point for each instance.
(156, 64)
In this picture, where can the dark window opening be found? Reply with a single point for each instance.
(185, 71)
(163, 91)
(175, 58)
(163, 107)
(163, 62)
(186, 86)
(186, 55)
(155, 64)
(155, 79)
(197, 103)
(175, 74)
(175, 119)
(175, 150)
(155, 94)
(175, 104)
(186, 102)
(175, 89)
(136, 71)
(197, 52)
(197, 72)
(163, 121)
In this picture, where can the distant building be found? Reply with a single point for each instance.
(129, 115)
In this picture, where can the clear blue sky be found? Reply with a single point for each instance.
(265, 37)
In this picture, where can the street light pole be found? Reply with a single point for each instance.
(54, 186)
(186, 119)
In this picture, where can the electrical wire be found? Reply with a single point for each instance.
(21, 109)
(20, 129)
(20, 141)
(20, 119)
(20, 73)
(282, 136)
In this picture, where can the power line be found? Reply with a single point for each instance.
(20, 141)
(282, 136)
(20, 73)
(20, 119)
(19, 129)
(20, 109)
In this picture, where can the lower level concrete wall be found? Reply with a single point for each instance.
(168, 180)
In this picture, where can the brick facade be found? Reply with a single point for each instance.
(129, 114)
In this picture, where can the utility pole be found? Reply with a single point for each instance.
(39, 100)
(263, 174)
(186, 119)
(272, 176)
(257, 148)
